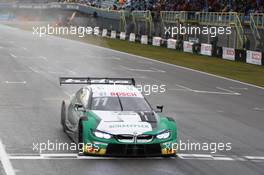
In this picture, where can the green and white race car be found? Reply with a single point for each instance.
(111, 117)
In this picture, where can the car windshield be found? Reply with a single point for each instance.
(120, 104)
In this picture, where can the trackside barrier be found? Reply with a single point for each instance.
(206, 18)
(156, 41)
(254, 30)
(171, 43)
(123, 35)
(254, 57)
(251, 57)
(171, 17)
(215, 18)
(144, 17)
(104, 33)
(188, 46)
(123, 23)
(132, 37)
(228, 53)
(241, 38)
(206, 49)
(258, 19)
(113, 34)
(144, 39)
(224, 19)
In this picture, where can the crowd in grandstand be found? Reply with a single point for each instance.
(242, 6)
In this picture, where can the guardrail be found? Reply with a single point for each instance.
(146, 18)
(216, 18)
(170, 16)
(207, 18)
(224, 19)
(258, 19)
(254, 30)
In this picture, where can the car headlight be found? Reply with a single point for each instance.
(163, 135)
(102, 135)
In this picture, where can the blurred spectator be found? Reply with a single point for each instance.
(241, 6)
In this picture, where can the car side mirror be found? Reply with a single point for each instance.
(160, 108)
(78, 107)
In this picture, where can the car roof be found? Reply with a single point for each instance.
(114, 90)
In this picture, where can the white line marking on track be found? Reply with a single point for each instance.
(239, 88)
(74, 156)
(115, 58)
(258, 109)
(28, 57)
(55, 72)
(223, 158)
(9, 170)
(21, 71)
(184, 87)
(254, 157)
(12, 55)
(224, 91)
(144, 70)
(15, 82)
(227, 90)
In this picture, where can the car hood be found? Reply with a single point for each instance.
(123, 122)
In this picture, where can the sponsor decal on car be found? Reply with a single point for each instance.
(129, 126)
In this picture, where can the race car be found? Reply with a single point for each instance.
(111, 117)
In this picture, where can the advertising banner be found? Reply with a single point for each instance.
(113, 34)
(132, 37)
(144, 39)
(156, 41)
(123, 36)
(187, 46)
(228, 53)
(254, 57)
(104, 33)
(171, 43)
(206, 49)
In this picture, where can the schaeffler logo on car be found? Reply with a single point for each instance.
(131, 125)
(124, 127)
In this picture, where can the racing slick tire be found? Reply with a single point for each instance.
(80, 137)
(80, 132)
(63, 115)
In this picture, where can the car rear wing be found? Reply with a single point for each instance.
(97, 80)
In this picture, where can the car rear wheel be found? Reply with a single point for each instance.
(63, 116)
(80, 132)
(80, 136)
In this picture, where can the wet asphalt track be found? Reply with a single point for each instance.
(206, 108)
